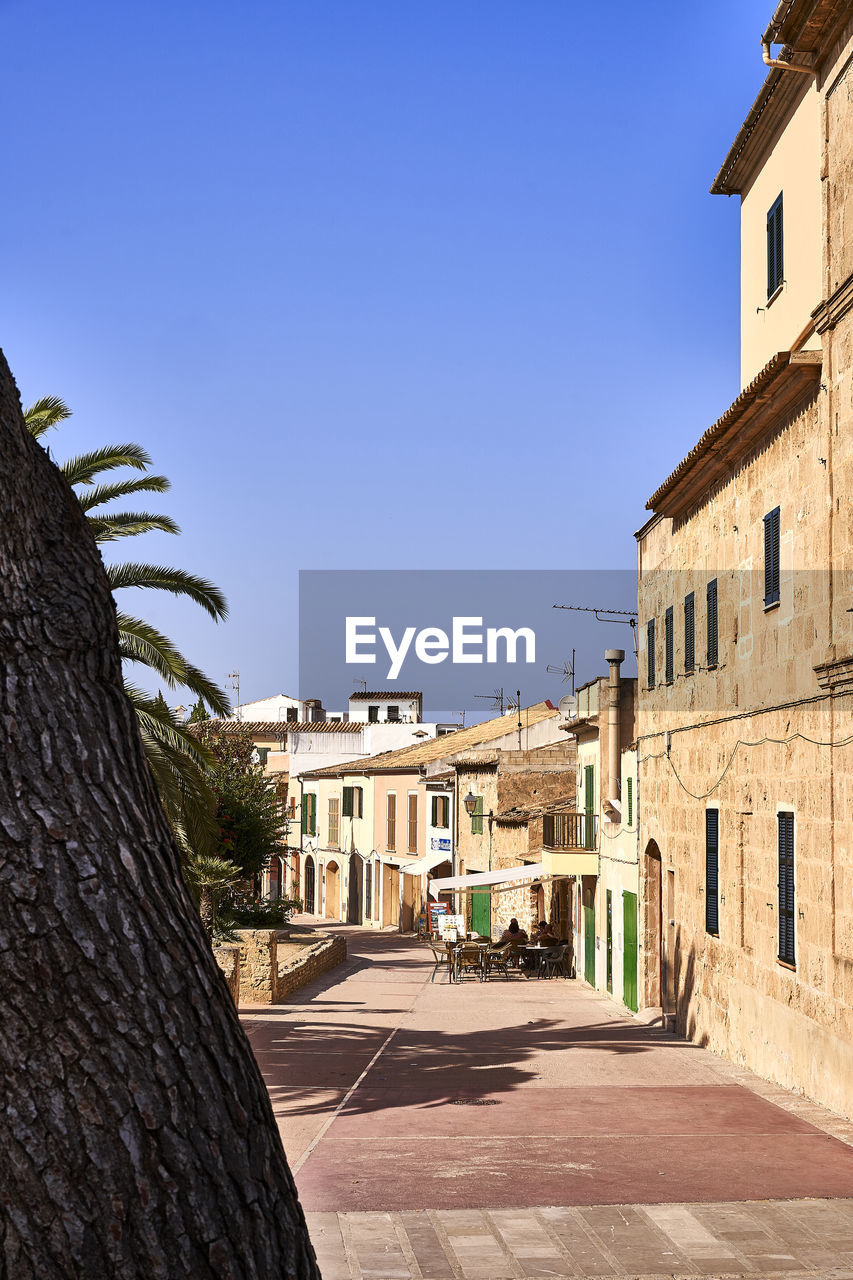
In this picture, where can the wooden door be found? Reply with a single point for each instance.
(589, 937)
(610, 941)
(481, 912)
(309, 885)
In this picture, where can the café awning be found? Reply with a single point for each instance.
(423, 865)
(512, 877)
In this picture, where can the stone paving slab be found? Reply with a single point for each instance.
(647, 1242)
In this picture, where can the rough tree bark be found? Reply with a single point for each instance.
(137, 1137)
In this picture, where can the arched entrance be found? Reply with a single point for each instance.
(537, 905)
(355, 897)
(653, 925)
(333, 891)
(310, 886)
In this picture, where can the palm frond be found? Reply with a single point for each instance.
(98, 495)
(142, 643)
(127, 524)
(45, 413)
(177, 581)
(83, 468)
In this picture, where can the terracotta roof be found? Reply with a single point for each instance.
(281, 728)
(782, 382)
(805, 29)
(409, 759)
(524, 812)
(392, 695)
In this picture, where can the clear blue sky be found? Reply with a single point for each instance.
(377, 284)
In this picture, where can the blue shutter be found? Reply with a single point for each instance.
(712, 870)
(771, 557)
(650, 642)
(786, 887)
(713, 635)
(689, 632)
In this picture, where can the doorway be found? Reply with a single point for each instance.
(310, 884)
(481, 912)
(589, 936)
(355, 895)
(629, 955)
(390, 896)
(653, 927)
(610, 941)
(333, 891)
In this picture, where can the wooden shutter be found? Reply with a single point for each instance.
(771, 557)
(712, 870)
(650, 641)
(786, 888)
(669, 646)
(391, 840)
(630, 804)
(477, 818)
(413, 824)
(775, 247)
(334, 821)
(713, 641)
(689, 632)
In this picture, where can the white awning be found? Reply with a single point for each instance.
(512, 876)
(423, 865)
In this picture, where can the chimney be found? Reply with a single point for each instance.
(615, 658)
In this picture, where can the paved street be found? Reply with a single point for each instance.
(486, 1130)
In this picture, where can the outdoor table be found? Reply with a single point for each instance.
(535, 950)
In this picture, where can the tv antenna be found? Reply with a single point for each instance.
(567, 671)
(498, 700)
(627, 617)
(234, 677)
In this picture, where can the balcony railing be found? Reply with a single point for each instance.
(569, 831)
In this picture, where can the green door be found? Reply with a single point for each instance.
(589, 805)
(610, 941)
(589, 938)
(629, 957)
(481, 912)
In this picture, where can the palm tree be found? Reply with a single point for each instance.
(178, 761)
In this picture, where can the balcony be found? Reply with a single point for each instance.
(569, 843)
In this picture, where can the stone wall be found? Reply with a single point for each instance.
(276, 962)
(228, 959)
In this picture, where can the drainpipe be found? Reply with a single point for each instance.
(767, 40)
(615, 658)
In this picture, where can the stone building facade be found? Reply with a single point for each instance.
(745, 743)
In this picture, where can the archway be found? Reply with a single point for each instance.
(355, 896)
(537, 905)
(333, 891)
(310, 883)
(653, 926)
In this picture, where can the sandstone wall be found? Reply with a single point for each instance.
(275, 962)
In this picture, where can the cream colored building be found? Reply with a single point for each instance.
(745, 762)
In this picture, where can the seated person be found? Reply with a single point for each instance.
(513, 935)
(545, 936)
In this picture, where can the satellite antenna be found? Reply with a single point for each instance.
(567, 706)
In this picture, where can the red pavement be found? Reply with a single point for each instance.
(512, 1095)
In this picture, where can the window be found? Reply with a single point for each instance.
(353, 802)
(712, 870)
(477, 818)
(394, 714)
(689, 632)
(786, 887)
(334, 821)
(413, 824)
(771, 557)
(629, 807)
(263, 752)
(775, 251)
(373, 714)
(650, 641)
(309, 814)
(713, 642)
(293, 714)
(440, 811)
(391, 833)
(668, 646)
(368, 890)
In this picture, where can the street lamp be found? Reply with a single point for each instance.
(470, 803)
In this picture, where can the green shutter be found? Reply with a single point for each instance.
(650, 644)
(347, 805)
(712, 870)
(786, 888)
(713, 643)
(689, 632)
(477, 818)
(669, 650)
(771, 557)
(435, 811)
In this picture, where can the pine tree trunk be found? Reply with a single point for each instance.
(136, 1137)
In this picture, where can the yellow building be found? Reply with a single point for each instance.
(745, 765)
